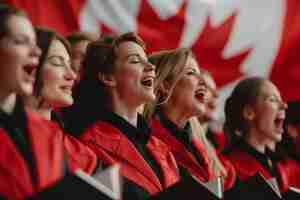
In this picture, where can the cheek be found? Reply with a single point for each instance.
(129, 76)
(50, 81)
(51, 76)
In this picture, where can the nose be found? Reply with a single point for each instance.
(149, 66)
(284, 105)
(35, 52)
(70, 74)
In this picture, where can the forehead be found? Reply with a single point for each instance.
(269, 89)
(209, 81)
(20, 25)
(192, 63)
(126, 49)
(58, 48)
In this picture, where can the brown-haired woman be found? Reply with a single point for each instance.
(31, 150)
(79, 41)
(53, 90)
(254, 115)
(118, 79)
(181, 93)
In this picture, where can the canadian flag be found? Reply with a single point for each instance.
(231, 38)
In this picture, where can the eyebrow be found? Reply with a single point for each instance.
(133, 54)
(22, 35)
(60, 57)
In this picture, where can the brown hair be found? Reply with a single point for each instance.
(245, 93)
(45, 37)
(6, 12)
(79, 36)
(92, 96)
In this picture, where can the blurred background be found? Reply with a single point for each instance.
(230, 38)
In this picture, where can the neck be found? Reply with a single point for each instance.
(177, 117)
(8, 103)
(204, 125)
(45, 113)
(256, 142)
(36, 104)
(129, 113)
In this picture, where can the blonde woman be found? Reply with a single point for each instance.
(180, 97)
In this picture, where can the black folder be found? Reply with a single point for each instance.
(254, 188)
(188, 188)
(71, 187)
(103, 186)
(292, 194)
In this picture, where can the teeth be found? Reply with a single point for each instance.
(147, 82)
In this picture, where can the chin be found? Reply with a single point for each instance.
(62, 103)
(199, 110)
(277, 137)
(26, 90)
(149, 98)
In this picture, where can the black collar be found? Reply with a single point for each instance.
(267, 159)
(17, 118)
(183, 135)
(138, 134)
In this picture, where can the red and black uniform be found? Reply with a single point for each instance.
(217, 139)
(79, 155)
(248, 161)
(31, 154)
(146, 163)
(188, 151)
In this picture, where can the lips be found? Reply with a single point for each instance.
(148, 81)
(200, 95)
(279, 121)
(29, 69)
(67, 89)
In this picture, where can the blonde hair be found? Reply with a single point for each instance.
(198, 132)
(169, 67)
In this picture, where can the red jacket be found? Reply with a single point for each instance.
(46, 141)
(187, 160)
(80, 156)
(111, 147)
(247, 166)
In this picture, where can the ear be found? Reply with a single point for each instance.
(248, 113)
(107, 79)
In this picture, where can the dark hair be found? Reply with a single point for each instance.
(245, 93)
(288, 144)
(45, 37)
(6, 12)
(91, 94)
(292, 114)
(79, 36)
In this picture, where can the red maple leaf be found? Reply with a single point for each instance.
(160, 34)
(208, 50)
(106, 30)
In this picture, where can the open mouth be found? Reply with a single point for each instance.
(30, 69)
(148, 82)
(200, 95)
(279, 122)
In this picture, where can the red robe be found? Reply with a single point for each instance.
(46, 141)
(186, 159)
(111, 147)
(247, 166)
(79, 155)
